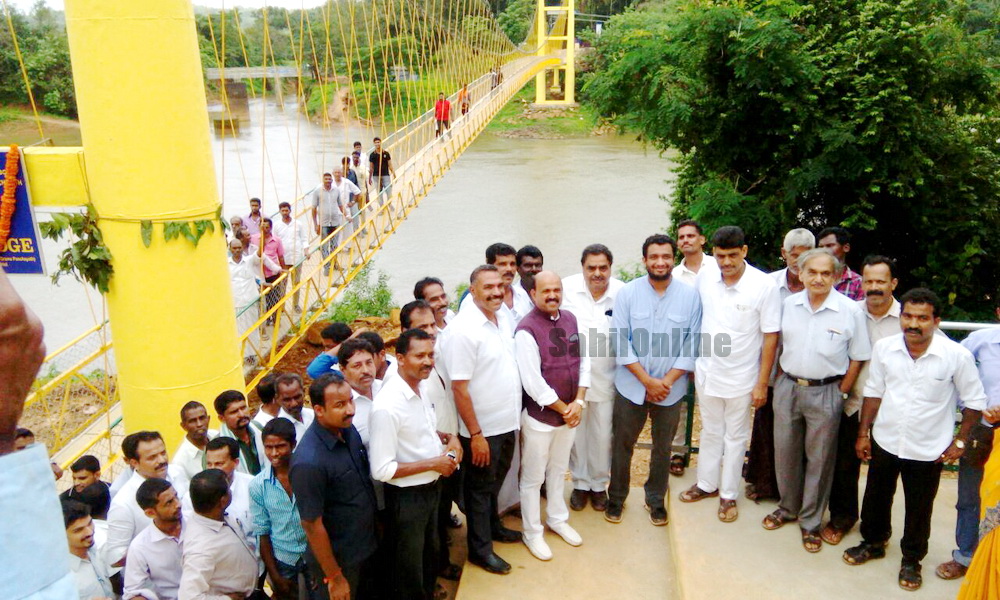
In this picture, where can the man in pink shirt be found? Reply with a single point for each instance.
(269, 245)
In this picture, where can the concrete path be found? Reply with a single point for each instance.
(742, 560)
(630, 560)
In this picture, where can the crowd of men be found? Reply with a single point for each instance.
(537, 375)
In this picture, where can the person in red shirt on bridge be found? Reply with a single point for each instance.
(442, 114)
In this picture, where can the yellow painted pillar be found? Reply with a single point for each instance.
(541, 26)
(144, 122)
(570, 80)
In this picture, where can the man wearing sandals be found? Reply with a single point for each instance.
(742, 303)
(824, 342)
(907, 429)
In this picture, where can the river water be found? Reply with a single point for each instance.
(559, 195)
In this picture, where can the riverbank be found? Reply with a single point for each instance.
(520, 118)
(18, 126)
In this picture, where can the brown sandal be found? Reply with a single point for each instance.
(831, 535)
(728, 511)
(695, 493)
(778, 519)
(811, 541)
(951, 570)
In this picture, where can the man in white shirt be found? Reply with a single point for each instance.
(92, 573)
(431, 291)
(590, 296)
(224, 454)
(907, 428)
(357, 362)
(825, 340)
(329, 213)
(146, 453)
(555, 374)
(761, 481)
(218, 563)
(154, 563)
(529, 261)
(244, 272)
(479, 359)
(190, 456)
(882, 318)
(290, 395)
(347, 190)
(231, 409)
(408, 454)
(294, 236)
(504, 258)
(740, 305)
(691, 244)
(268, 408)
(419, 315)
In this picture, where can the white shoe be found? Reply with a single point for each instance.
(538, 548)
(567, 533)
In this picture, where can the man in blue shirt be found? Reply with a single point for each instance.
(333, 336)
(655, 329)
(332, 483)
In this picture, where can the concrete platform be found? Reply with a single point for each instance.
(632, 560)
(742, 560)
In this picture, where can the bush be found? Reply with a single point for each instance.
(363, 298)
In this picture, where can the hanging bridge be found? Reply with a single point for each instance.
(352, 53)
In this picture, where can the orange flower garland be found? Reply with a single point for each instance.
(8, 200)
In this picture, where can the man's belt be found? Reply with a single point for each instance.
(813, 382)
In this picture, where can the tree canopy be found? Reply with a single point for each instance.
(879, 116)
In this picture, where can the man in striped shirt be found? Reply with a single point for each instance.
(276, 515)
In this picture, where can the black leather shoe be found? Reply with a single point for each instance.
(578, 499)
(506, 536)
(492, 564)
(599, 500)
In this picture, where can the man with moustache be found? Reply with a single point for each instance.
(740, 304)
(155, 564)
(357, 363)
(590, 296)
(409, 455)
(529, 261)
(761, 481)
(419, 315)
(691, 243)
(431, 290)
(908, 429)
(190, 456)
(231, 409)
(252, 221)
(881, 311)
(555, 375)
(479, 359)
(328, 214)
(504, 258)
(290, 395)
(331, 480)
(146, 453)
(658, 325)
(825, 341)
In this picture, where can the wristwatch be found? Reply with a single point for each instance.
(960, 444)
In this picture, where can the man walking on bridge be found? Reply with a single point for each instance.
(442, 114)
(381, 172)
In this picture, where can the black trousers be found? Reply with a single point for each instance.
(482, 484)
(627, 422)
(920, 486)
(760, 465)
(844, 492)
(451, 487)
(413, 539)
(359, 577)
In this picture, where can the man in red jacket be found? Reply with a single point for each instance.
(442, 114)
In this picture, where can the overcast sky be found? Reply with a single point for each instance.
(25, 5)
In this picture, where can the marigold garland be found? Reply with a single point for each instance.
(8, 201)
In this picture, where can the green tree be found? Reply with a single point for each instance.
(516, 19)
(880, 116)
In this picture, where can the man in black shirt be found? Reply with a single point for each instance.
(381, 168)
(331, 480)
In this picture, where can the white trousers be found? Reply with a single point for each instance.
(725, 431)
(544, 457)
(590, 460)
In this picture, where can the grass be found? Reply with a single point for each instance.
(574, 122)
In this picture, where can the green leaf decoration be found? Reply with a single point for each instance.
(147, 233)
